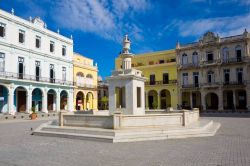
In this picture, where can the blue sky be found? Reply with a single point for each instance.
(98, 26)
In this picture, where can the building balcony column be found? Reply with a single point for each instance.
(146, 100)
(159, 100)
(45, 102)
(220, 97)
(234, 99)
(11, 101)
(248, 97)
(203, 101)
(191, 100)
(70, 99)
(58, 99)
(29, 101)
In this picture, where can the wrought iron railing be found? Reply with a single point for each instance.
(21, 76)
(167, 82)
(83, 85)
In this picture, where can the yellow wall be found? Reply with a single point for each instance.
(141, 62)
(85, 65)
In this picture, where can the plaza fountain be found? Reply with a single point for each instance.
(127, 120)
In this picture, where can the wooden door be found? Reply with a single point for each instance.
(50, 102)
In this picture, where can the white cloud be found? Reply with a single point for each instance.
(225, 26)
(106, 18)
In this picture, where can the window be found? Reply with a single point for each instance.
(210, 56)
(195, 58)
(196, 79)
(38, 70)
(185, 78)
(210, 77)
(226, 76)
(165, 78)
(52, 74)
(64, 73)
(52, 46)
(63, 50)
(238, 53)
(20, 67)
(161, 61)
(2, 29)
(225, 54)
(138, 97)
(239, 72)
(2, 62)
(152, 79)
(38, 41)
(184, 59)
(21, 36)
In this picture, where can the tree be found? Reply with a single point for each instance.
(104, 102)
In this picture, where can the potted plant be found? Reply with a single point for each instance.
(33, 115)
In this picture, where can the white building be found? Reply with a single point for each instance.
(36, 69)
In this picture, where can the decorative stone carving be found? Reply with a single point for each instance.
(37, 21)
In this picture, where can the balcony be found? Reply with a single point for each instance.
(189, 65)
(211, 85)
(17, 76)
(235, 60)
(190, 86)
(211, 62)
(235, 83)
(86, 86)
(169, 82)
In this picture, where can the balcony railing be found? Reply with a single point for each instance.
(189, 65)
(196, 85)
(210, 84)
(234, 83)
(90, 86)
(208, 62)
(21, 76)
(235, 60)
(169, 82)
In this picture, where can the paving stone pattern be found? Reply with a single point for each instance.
(230, 147)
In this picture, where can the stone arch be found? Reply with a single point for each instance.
(89, 100)
(20, 99)
(64, 100)
(4, 97)
(165, 98)
(152, 99)
(37, 99)
(51, 97)
(89, 76)
(212, 101)
(80, 100)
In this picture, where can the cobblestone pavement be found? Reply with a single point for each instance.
(230, 147)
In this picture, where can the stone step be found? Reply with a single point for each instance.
(199, 129)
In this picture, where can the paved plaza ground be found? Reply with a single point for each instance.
(230, 147)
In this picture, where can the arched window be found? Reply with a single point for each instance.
(80, 79)
(195, 58)
(210, 77)
(89, 76)
(184, 59)
(225, 53)
(238, 53)
(89, 80)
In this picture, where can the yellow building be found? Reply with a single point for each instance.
(85, 82)
(161, 71)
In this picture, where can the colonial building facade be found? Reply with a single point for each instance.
(213, 73)
(35, 66)
(160, 69)
(85, 81)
